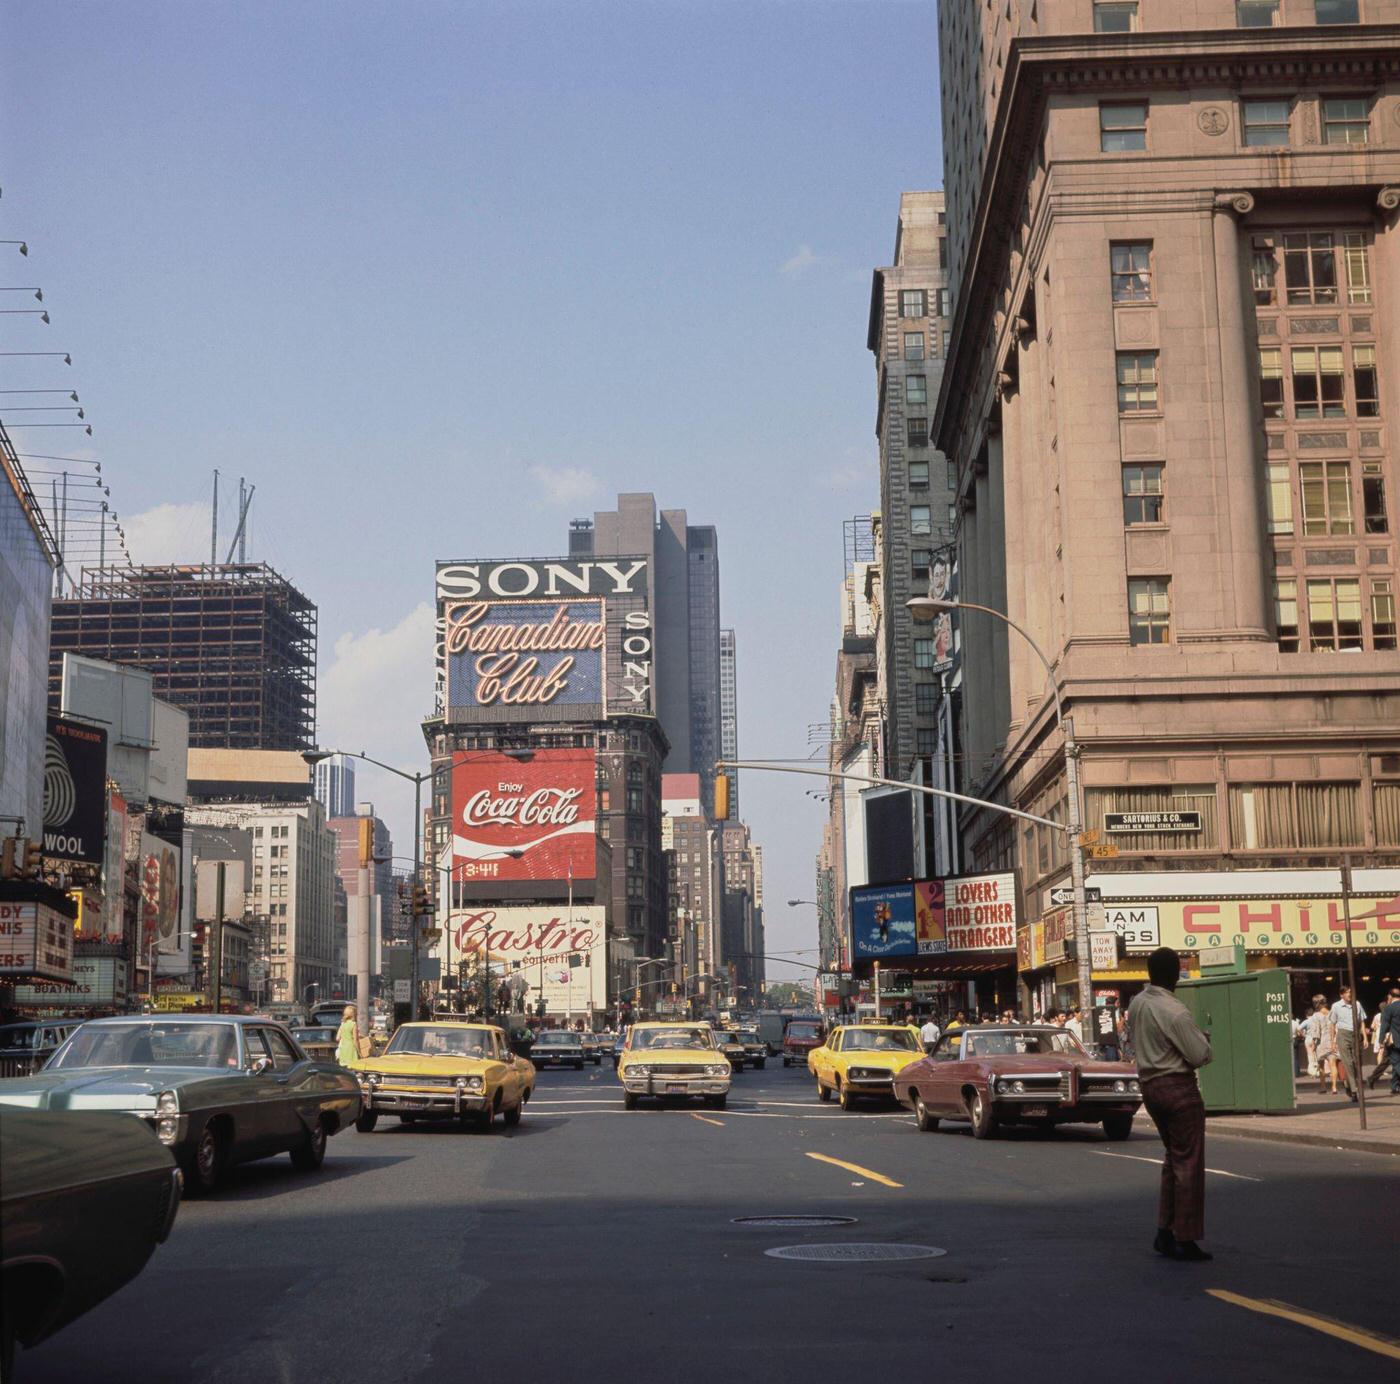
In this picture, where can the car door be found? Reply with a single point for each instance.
(824, 1057)
(265, 1097)
(939, 1088)
(298, 1082)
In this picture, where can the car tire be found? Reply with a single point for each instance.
(926, 1123)
(1117, 1126)
(512, 1116)
(847, 1097)
(312, 1152)
(717, 1102)
(786, 1063)
(629, 1100)
(367, 1121)
(408, 1119)
(981, 1116)
(485, 1120)
(823, 1092)
(206, 1165)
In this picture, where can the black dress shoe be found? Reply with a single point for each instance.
(1165, 1242)
(1189, 1252)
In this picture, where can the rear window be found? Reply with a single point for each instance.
(802, 1031)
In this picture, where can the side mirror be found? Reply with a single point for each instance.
(510, 1057)
(259, 1066)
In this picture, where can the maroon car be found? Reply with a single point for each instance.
(799, 1039)
(1001, 1074)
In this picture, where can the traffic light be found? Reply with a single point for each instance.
(421, 902)
(29, 867)
(721, 797)
(8, 849)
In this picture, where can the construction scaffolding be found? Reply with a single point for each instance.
(232, 644)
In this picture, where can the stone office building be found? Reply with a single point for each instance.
(1170, 398)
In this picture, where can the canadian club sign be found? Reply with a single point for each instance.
(533, 819)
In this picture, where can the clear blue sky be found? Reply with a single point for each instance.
(439, 276)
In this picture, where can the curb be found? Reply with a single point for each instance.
(1328, 1141)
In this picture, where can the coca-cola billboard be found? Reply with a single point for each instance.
(515, 820)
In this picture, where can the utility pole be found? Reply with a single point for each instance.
(1359, 1048)
(359, 937)
(216, 942)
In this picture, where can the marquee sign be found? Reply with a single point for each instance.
(969, 913)
(534, 819)
(35, 940)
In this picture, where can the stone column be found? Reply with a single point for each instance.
(997, 558)
(1242, 519)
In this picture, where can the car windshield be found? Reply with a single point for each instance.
(149, 1045)
(730, 1038)
(748, 1036)
(563, 1039)
(440, 1042)
(314, 1035)
(697, 1038)
(880, 1040)
(803, 1031)
(1026, 1042)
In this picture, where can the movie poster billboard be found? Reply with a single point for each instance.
(75, 791)
(561, 639)
(981, 912)
(159, 874)
(930, 917)
(111, 921)
(882, 922)
(531, 819)
(560, 950)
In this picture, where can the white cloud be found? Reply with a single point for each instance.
(565, 485)
(806, 258)
(169, 533)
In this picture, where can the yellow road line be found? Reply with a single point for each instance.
(856, 1168)
(1356, 1335)
(705, 1119)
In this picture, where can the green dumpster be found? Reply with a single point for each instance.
(1250, 1022)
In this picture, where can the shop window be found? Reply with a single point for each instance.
(1289, 816)
(1168, 798)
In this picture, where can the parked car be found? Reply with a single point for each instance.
(755, 1049)
(557, 1047)
(217, 1090)
(442, 1071)
(84, 1201)
(800, 1037)
(25, 1047)
(999, 1074)
(861, 1060)
(593, 1045)
(673, 1059)
(727, 1040)
(317, 1043)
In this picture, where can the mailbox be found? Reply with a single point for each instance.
(1250, 1022)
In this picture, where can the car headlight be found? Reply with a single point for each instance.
(375, 1079)
(716, 1071)
(636, 1069)
(167, 1103)
(1003, 1085)
(1134, 1088)
(167, 1130)
(1019, 1087)
(475, 1083)
(1120, 1085)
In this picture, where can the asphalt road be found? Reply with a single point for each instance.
(596, 1244)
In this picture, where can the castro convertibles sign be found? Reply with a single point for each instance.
(545, 808)
(75, 791)
(560, 953)
(544, 640)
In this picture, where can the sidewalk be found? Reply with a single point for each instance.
(1327, 1121)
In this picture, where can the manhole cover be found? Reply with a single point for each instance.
(794, 1222)
(855, 1253)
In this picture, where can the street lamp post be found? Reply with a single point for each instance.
(925, 607)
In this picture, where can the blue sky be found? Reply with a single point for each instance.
(437, 277)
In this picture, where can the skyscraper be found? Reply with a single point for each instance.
(335, 786)
(729, 712)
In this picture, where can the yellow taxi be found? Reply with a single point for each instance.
(673, 1060)
(861, 1060)
(444, 1071)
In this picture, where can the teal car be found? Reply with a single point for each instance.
(216, 1090)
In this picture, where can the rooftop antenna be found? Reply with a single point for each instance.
(240, 536)
(214, 525)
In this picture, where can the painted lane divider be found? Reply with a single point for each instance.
(1329, 1326)
(856, 1168)
(1157, 1163)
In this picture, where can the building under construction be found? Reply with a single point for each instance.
(234, 645)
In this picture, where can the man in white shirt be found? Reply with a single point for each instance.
(1344, 1030)
(929, 1034)
(1169, 1046)
(1075, 1024)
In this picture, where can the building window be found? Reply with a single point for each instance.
(1266, 123)
(1270, 816)
(925, 740)
(1358, 262)
(1131, 272)
(913, 345)
(1142, 493)
(1334, 614)
(1256, 14)
(916, 431)
(918, 475)
(923, 653)
(920, 560)
(926, 698)
(1263, 268)
(913, 302)
(916, 389)
(1199, 798)
(920, 521)
(634, 800)
(1382, 613)
(1319, 386)
(1373, 496)
(1309, 268)
(1286, 614)
(1326, 487)
(1271, 381)
(1279, 495)
(945, 302)
(1337, 11)
(1137, 381)
(1346, 120)
(1123, 127)
(1149, 610)
(1115, 16)
(1363, 379)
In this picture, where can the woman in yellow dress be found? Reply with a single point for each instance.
(347, 1042)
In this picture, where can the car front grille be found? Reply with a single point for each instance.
(680, 1069)
(418, 1081)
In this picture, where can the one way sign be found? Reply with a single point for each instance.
(1064, 895)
